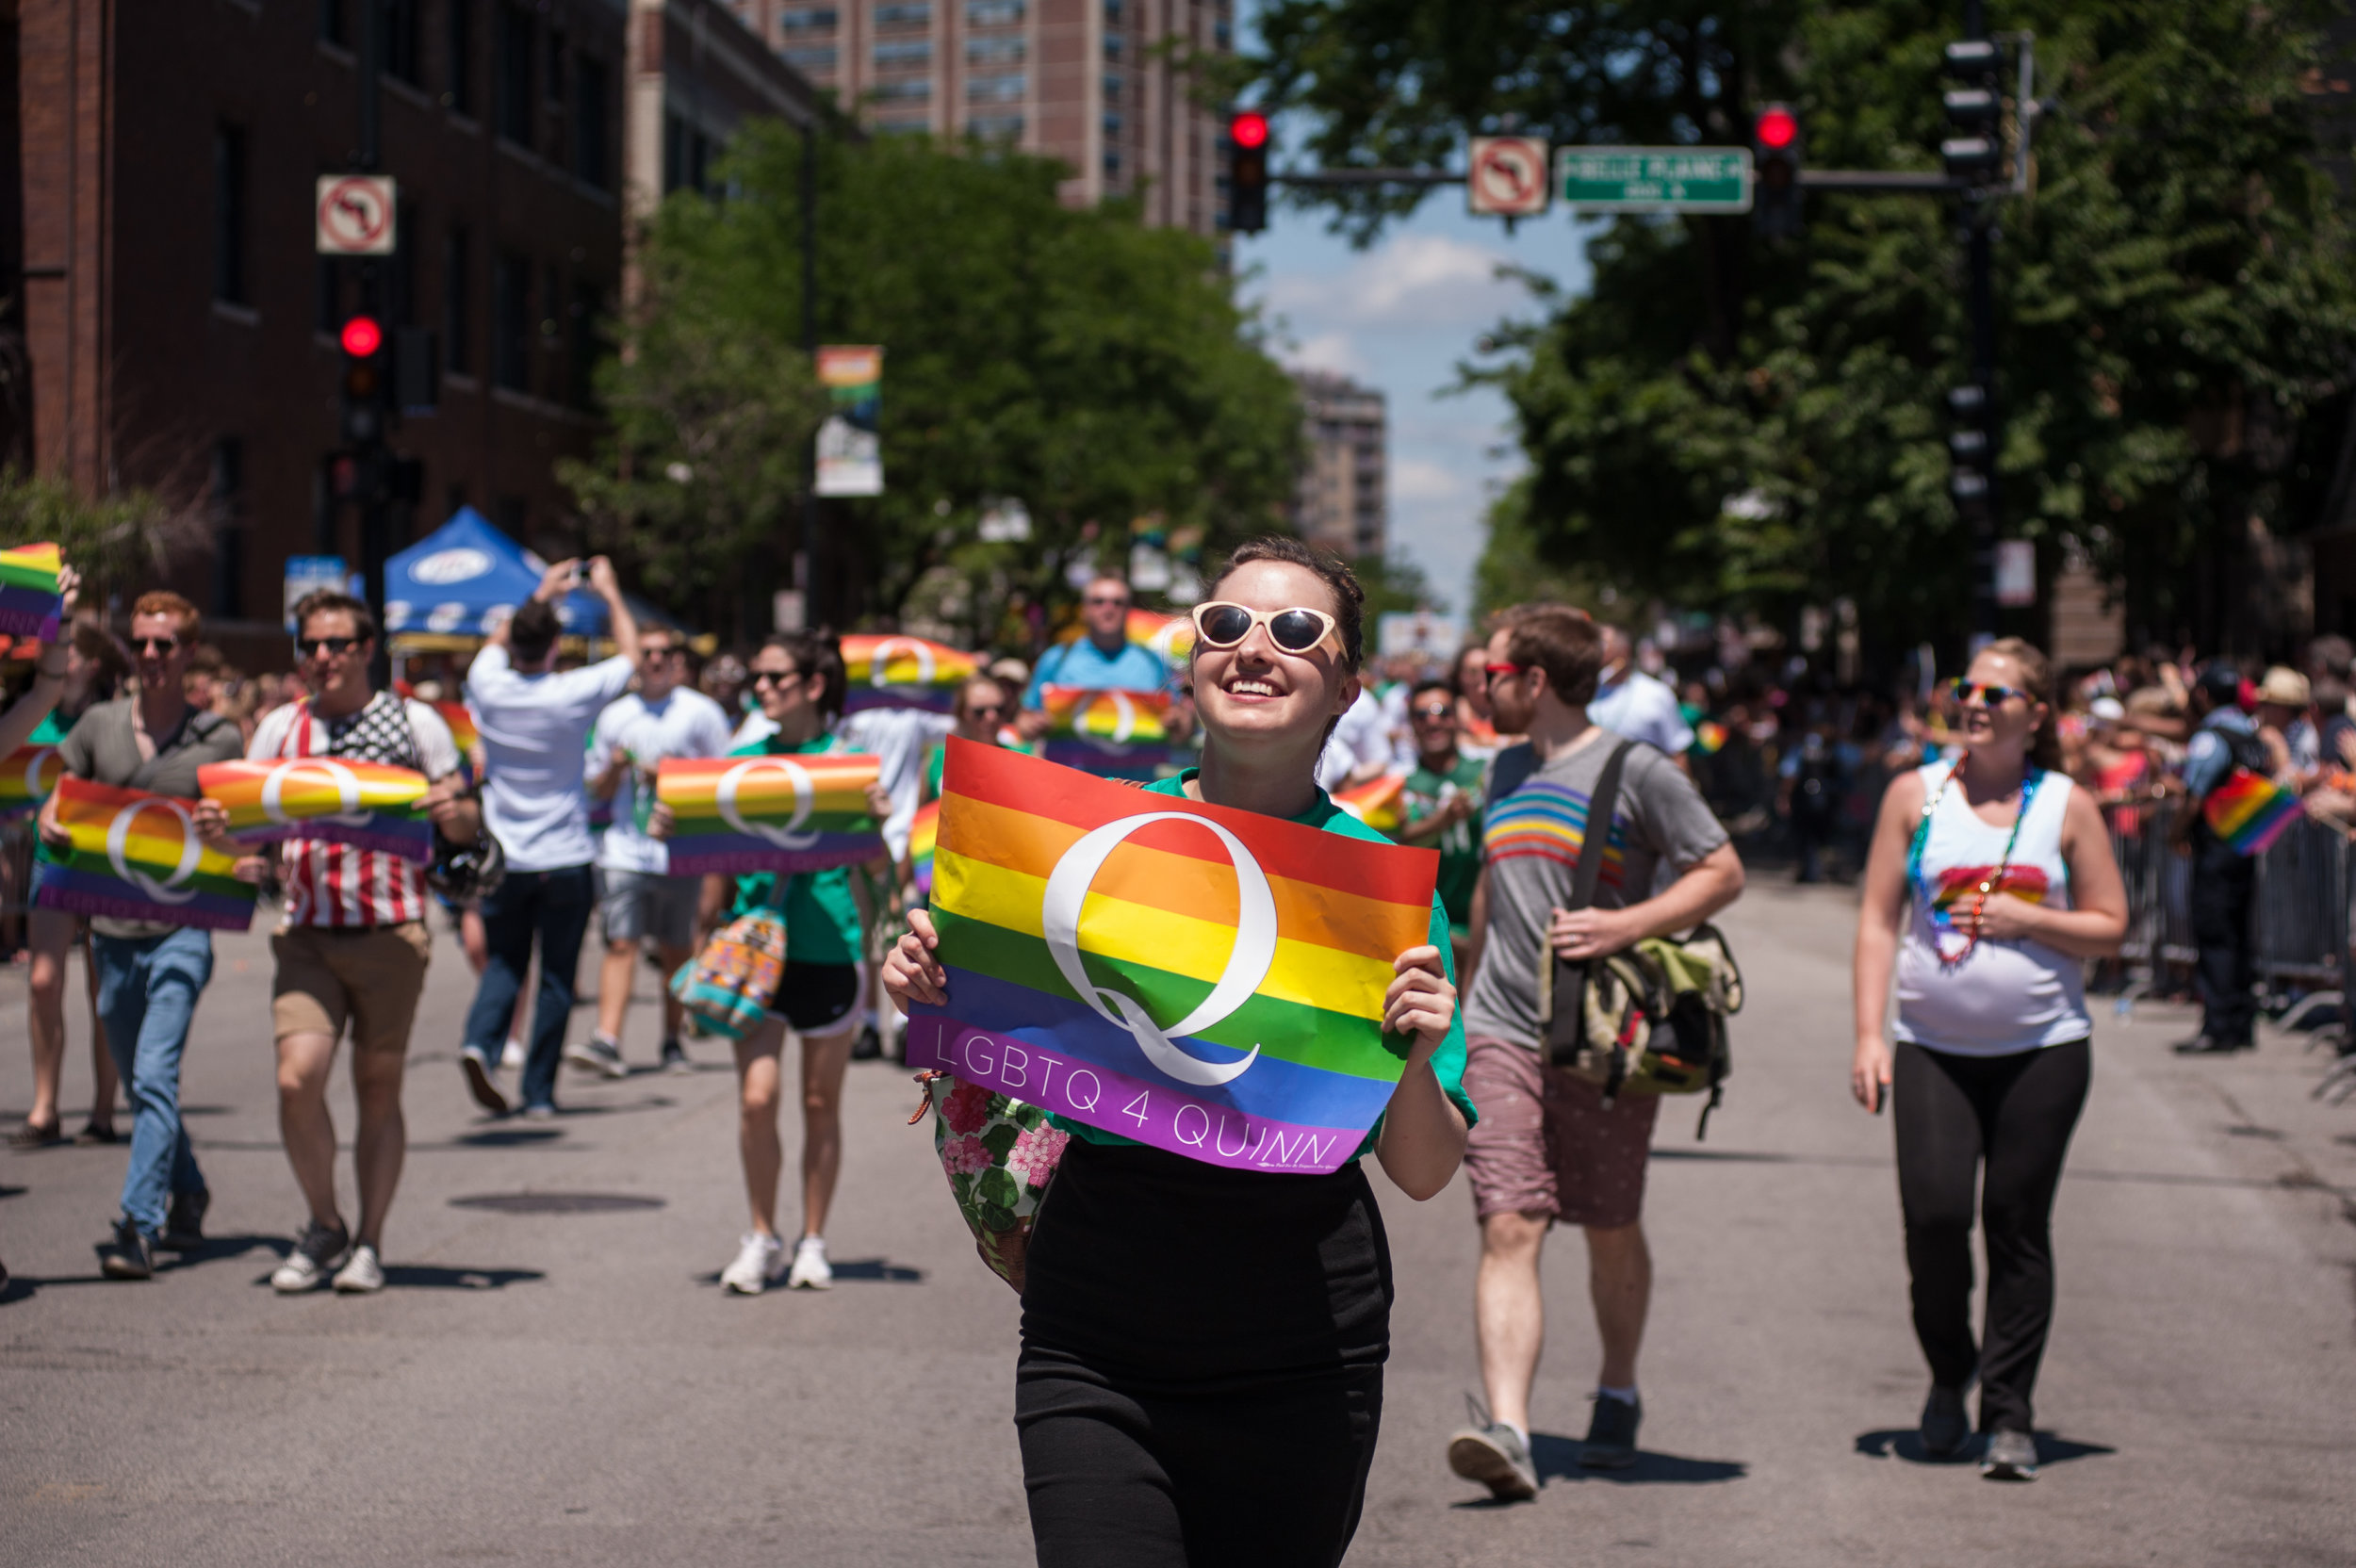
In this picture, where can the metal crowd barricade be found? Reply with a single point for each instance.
(2299, 919)
(2159, 892)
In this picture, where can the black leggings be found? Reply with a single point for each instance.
(2014, 1113)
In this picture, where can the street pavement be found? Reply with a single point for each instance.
(554, 1376)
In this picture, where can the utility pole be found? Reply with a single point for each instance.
(817, 595)
(371, 464)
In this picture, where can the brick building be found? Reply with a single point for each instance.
(1087, 81)
(176, 329)
(1342, 502)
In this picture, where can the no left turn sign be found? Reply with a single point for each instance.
(1507, 176)
(355, 215)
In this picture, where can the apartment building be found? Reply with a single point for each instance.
(1342, 502)
(1100, 84)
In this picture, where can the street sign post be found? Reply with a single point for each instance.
(353, 216)
(1654, 179)
(1506, 176)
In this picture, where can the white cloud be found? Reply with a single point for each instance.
(1413, 280)
(1329, 350)
(1414, 481)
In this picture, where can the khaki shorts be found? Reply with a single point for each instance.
(370, 976)
(1546, 1144)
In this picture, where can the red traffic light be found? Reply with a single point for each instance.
(1249, 129)
(1776, 128)
(361, 336)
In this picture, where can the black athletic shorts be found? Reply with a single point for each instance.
(814, 999)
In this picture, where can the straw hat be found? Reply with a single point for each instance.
(2285, 687)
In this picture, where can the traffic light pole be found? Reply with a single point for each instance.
(370, 461)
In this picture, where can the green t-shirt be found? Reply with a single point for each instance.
(48, 732)
(822, 923)
(1447, 1063)
(1460, 843)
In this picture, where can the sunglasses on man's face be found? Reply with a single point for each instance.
(159, 647)
(1989, 692)
(1437, 714)
(1297, 631)
(311, 647)
(1502, 671)
(984, 710)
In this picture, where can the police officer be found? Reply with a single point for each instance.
(2223, 878)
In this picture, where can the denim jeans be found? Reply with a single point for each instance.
(147, 991)
(553, 906)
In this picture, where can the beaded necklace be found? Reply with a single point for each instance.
(2029, 777)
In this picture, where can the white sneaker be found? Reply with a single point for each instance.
(363, 1276)
(756, 1265)
(315, 1252)
(512, 1054)
(810, 1270)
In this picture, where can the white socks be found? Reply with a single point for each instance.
(1625, 1395)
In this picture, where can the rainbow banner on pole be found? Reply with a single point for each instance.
(903, 672)
(29, 601)
(1206, 981)
(136, 856)
(462, 729)
(368, 804)
(1111, 732)
(2249, 812)
(924, 837)
(794, 814)
(1380, 803)
(27, 777)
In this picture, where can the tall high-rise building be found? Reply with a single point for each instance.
(1100, 84)
(1342, 503)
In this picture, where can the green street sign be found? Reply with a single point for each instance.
(1654, 179)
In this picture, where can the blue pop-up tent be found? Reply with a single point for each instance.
(468, 577)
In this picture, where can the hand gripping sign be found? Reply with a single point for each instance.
(368, 804)
(1073, 925)
(787, 813)
(136, 856)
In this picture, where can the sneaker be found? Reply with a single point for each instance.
(1945, 1427)
(476, 1064)
(597, 1054)
(2209, 1045)
(1612, 1434)
(2009, 1457)
(128, 1256)
(675, 1058)
(184, 1225)
(513, 1053)
(542, 1112)
(1495, 1455)
(810, 1270)
(314, 1254)
(363, 1276)
(755, 1268)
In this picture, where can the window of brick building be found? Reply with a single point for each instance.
(226, 503)
(995, 50)
(589, 120)
(334, 25)
(400, 277)
(511, 323)
(514, 75)
(458, 24)
(401, 25)
(995, 90)
(327, 294)
(558, 55)
(457, 301)
(816, 58)
(909, 13)
(229, 279)
(587, 301)
(916, 89)
(904, 54)
(993, 13)
(807, 19)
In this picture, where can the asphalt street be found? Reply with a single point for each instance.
(554, 1376)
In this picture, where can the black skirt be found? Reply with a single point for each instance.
(1200, 1378)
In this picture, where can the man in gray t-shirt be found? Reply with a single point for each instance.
(1547, 1148)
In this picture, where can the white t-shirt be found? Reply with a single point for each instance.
(1363, 736)
(685, 723)
(534, 730)
(1642, 709)
(898, 738)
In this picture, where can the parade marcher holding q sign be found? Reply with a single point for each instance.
(2008, 868)
(1201, 1377)
(150, 974)
(354, 944)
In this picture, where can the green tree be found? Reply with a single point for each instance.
(119, 542)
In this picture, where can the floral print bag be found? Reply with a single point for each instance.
(999, 1154)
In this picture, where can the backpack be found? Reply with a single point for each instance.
(734, 978)
(1650, 1019)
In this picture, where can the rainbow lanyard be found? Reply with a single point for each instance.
(1922, 837)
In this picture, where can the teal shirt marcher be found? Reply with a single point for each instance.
(1447, 1063)
(822, 923)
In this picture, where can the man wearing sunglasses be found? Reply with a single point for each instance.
(1101, 660)
(638, 898)
(2224, 880)
(150, 974)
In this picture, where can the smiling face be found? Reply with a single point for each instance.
(786, 696)
(2006, 726)
(1256, 695)
(161, 651)
(332, 659)
(1104, 610)
(982, 707)
(661, 664)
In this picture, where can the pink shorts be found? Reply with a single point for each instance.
(1546, 1144)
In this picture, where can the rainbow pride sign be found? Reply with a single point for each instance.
(27, 777)
(924, 838)
(136, 856)
(903, 672)
(368, 804)
(1380, 803)
(29, 601)
(1109, 732)
(462, 729)
(789, 813)
(1205, 981)
(2249, 812)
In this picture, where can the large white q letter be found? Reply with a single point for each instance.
(1247, 966)
(724, 796)
(346, 782)
(118, 843)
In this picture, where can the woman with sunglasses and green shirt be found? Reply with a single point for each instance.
(1201, 1377)
(2009, 872)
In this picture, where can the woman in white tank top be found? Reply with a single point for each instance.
(1999, 873)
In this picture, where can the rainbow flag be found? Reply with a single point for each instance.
(366, 804)
(923, 832)
(1206, 981)
(1171, 636)
(136, 856)
(2249, 812)
(1710, 737)
(27, 777)
(903, 672)
(790, 813)
(29, 601)
(1111, 732)
(461, 724)
(1380, 803)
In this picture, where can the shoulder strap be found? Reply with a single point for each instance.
(1599, 809)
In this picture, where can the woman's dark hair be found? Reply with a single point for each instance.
(1349, 600)
(1446, 687)
(2036, 679)
(815, 653)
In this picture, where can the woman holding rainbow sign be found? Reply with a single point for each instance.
(1201, 1377)
(2010, 872)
